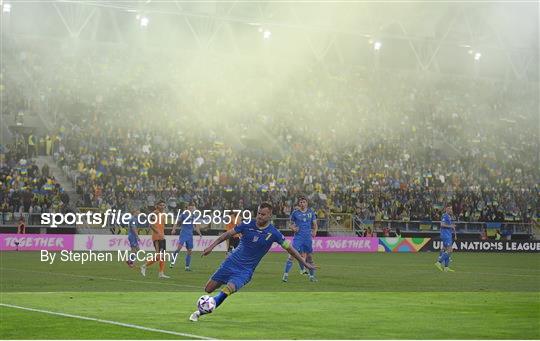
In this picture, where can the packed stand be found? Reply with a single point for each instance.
(376, 144)
(26, 190)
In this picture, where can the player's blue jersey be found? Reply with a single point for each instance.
(254, 244)
(186, 230)
(133, 225)
(304, 221)
(446, 232)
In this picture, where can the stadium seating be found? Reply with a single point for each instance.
(371, 153)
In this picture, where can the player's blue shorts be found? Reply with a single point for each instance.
(133, 242)
(447, 239)
(188, 240)
(228, 273)
(302, 244)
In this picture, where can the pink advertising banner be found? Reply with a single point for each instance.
(102, 242)
(339, 244)
(34, 242)
(58, 242)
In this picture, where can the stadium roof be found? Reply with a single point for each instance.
(432, 36)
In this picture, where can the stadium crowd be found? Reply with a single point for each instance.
(376, 144)
(27, 190)
(391, 173)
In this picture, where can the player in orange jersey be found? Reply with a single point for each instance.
(232, 243)
(158, 238)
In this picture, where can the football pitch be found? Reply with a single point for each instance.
(358, 296)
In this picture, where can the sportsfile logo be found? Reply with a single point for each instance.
(114, 217)
(95, 218)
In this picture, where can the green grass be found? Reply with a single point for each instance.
(373, 296)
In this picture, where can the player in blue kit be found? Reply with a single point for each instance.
(133, 237)
(236, 271)
(186, 235)
(304, 226)
(447, 227)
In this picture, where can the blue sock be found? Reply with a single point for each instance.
(301, 266)
(188, 260)
(446, 259)
(440, 259)
(221, 296)
(288, 266)
(443, 258)
(310, 262)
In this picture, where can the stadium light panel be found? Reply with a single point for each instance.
(267, 34)
(6, 8)
(477, 56)
(377, 45)
(144, 21)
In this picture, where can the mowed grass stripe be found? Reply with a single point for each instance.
(317, 315)
(160, 282)
(397, 272)
(116, 323)
(15, 325)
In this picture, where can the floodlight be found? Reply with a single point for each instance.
(144, 21)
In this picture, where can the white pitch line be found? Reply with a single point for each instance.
(128, 325)
(105, 278)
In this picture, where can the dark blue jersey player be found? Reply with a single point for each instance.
(447, 227)
(133, 236)
(304, 226)
(186, 235)
(236, 271)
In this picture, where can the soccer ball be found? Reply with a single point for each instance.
(206, 304)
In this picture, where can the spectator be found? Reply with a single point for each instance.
(21, 227)
(368, 232)
(483, 234)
